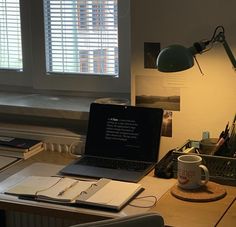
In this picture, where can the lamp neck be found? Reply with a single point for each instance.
(199, 47)
(221, 38)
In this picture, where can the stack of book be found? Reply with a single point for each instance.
(19, 147)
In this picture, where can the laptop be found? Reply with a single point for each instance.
(122, 143)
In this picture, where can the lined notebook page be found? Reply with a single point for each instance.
(31, 185)
(114, 193)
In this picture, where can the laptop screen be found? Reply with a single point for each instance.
(124, 132)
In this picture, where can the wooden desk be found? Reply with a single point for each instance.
(230, 216)
(49, 212)
(195, 214)
(174, 211)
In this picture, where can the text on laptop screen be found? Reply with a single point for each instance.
(125, 132)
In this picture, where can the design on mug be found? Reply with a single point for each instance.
(183, 179)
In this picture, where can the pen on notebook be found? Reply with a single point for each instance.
(67, 188)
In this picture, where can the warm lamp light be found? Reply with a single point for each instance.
(178, 58)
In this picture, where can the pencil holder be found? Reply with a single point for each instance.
(221, 168)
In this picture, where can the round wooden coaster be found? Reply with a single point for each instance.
(210, 192)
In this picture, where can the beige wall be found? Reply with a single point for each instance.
(207, 102)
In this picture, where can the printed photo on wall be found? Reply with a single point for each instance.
(150, 92)
(167, 124)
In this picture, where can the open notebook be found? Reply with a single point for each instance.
(102, 193)
(122, 143)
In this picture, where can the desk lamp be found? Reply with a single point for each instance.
(178, 58)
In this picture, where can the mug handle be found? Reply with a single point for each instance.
(206, 173)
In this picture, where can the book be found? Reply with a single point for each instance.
(22, 154)
(100, 193)
(6, 162)
(19, 144)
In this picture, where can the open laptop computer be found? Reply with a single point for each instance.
(122, 143)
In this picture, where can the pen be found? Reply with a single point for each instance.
(226, 131)
(234, 118)
(67, 188)
(226, 127)
(218, 145)
(224, 134)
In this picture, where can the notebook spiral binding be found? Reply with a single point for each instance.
(84, 195)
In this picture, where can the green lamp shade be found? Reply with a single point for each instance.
(174, 58)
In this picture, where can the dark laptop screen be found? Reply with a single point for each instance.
(125, 132)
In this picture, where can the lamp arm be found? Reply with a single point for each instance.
(229, 53)
(221, 38)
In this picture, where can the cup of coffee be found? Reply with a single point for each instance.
(189, 172)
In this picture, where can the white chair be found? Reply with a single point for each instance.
(149, 219)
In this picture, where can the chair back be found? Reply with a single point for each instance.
(149, 219)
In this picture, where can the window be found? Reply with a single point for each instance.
(84, 61)
(10, 35)
(100, 62)
(98, 12)
(71, 45)
(75, 27)
(82, 18)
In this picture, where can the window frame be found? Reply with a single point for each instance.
(34, 73)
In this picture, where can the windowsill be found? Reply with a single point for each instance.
(38, 112)
(38, 105)
(51, 118)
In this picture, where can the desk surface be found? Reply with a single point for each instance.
(229, 217)
(174, 211)
(183, 213)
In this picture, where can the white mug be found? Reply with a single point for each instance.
(189, 172)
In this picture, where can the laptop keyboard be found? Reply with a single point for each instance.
(114, 164)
